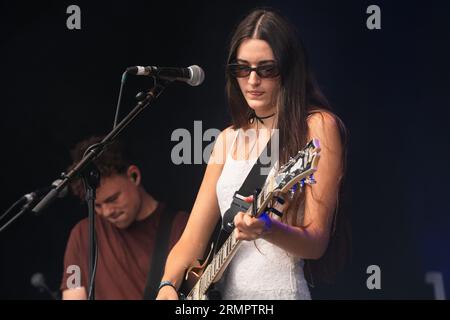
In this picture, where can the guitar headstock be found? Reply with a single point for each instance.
(297, 172)
(291, 177)
(299, 169)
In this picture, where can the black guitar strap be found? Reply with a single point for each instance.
(160, 252)
(254, 180)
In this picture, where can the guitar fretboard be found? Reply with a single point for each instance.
(213, 269)
(223, 255)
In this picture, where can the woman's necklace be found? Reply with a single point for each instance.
(260, 119)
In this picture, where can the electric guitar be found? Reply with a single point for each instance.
(290, 178)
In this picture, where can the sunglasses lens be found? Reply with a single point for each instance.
(268, 71)
(239, 71)
(264, 71)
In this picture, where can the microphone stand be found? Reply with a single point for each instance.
(84, 165)
(24, 209)
(91, 179)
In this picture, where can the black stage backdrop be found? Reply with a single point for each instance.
(390, 86)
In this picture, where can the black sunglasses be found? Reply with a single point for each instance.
(264, 71)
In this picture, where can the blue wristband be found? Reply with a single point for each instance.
(166, 283)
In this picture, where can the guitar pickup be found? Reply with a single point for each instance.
(277, 212)
(279, 199)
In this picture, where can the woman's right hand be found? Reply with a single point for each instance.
(167, 293)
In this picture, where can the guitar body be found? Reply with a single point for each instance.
(193, 275)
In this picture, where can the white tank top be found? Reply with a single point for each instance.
(259, 270)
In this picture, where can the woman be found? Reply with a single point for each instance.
(269, 86)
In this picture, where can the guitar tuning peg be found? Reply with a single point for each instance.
(292, 191)
(302, 183)
(311, 179)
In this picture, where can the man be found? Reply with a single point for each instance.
(127, 223)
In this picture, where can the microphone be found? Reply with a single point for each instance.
(30, 197)
(38, 281)
(193, 75)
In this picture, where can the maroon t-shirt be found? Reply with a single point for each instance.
(123, 254)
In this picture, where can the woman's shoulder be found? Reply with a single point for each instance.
(322, 118)
(327, 127)
(317, 113)
(228, 130)
(227, 134)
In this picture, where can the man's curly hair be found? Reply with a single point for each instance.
(115, 159)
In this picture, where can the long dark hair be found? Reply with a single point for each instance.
(299, 97)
